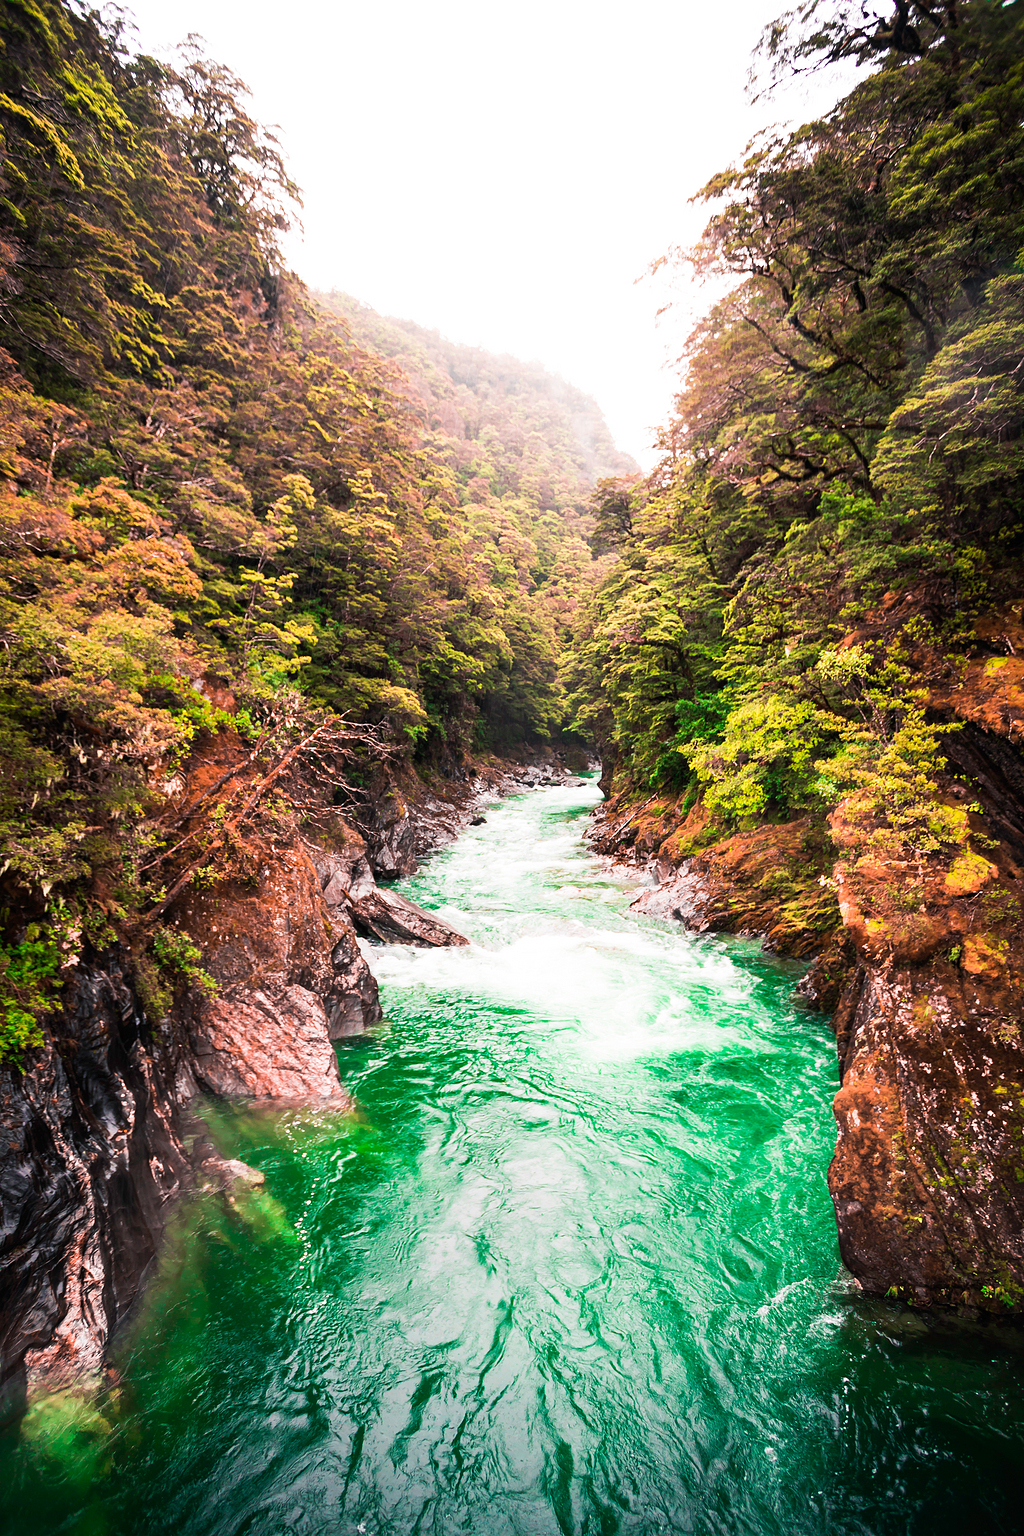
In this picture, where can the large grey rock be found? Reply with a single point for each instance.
(393, 919)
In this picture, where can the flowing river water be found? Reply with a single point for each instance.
(571, 1267)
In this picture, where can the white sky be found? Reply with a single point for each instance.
(502, 174)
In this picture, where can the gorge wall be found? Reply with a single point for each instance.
(920, 961)
(272, 567)
(804, 658)
(100, 1135)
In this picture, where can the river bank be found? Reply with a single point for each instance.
(567, 1264)
(263, 974)
(916, 956)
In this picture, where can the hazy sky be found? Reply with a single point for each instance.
(501, 173)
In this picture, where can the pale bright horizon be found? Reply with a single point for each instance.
(505, 177)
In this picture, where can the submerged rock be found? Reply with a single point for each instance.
(226, 1173)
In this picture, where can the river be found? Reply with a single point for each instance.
(571, 1267)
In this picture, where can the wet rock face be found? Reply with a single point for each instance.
(928, 1174)
(771, 882)
(680, 895)
(290, 980)
(394, 919)
(354, 900)
(89, 1157)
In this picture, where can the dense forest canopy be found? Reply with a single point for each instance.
(525, 449)
(216, 491)
(226, 503)
(839, 496)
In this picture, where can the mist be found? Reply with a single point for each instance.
(506, 177)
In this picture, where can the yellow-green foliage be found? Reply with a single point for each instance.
(845, 455)
(969, 873)
(29, 973)
(767, 753)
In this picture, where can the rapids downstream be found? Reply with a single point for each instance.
(570, 1268)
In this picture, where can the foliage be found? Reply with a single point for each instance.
(214, 488)
(839, 497)
(182, 960)
(518, 452)
(27, 974)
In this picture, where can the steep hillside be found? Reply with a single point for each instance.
(805, 666)
(519, 424)
(526, 450)
(221, 506)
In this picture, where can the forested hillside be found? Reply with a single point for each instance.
(526, 450)
(215, 496)
(806, 666)
(834, 532)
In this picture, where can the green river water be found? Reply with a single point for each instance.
(570, 1268)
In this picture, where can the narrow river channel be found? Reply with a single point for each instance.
(571, 1268)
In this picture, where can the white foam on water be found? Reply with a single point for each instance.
(551, 947)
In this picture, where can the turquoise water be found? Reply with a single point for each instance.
(569, 1268)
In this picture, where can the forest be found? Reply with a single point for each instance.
(227, 502)
(833, 536)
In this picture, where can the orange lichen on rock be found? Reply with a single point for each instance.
(772, 880)
(928, 1173)
(990, 689)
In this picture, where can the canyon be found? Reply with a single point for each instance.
(100, 1139)
(98, 1136)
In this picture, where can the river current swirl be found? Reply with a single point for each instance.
(569, 1270)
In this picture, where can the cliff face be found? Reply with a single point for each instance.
(96, 1137)
(290, 978)
(92, 1150)
(921, 959)
(96, 1133)
(928, 1175)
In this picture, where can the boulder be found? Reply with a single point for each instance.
(290, 979)
(393, 919)
(264, 1046)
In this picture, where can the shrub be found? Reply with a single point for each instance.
(28, 975)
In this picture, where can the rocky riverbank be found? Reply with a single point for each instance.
(919, 958)
(98, 1139)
